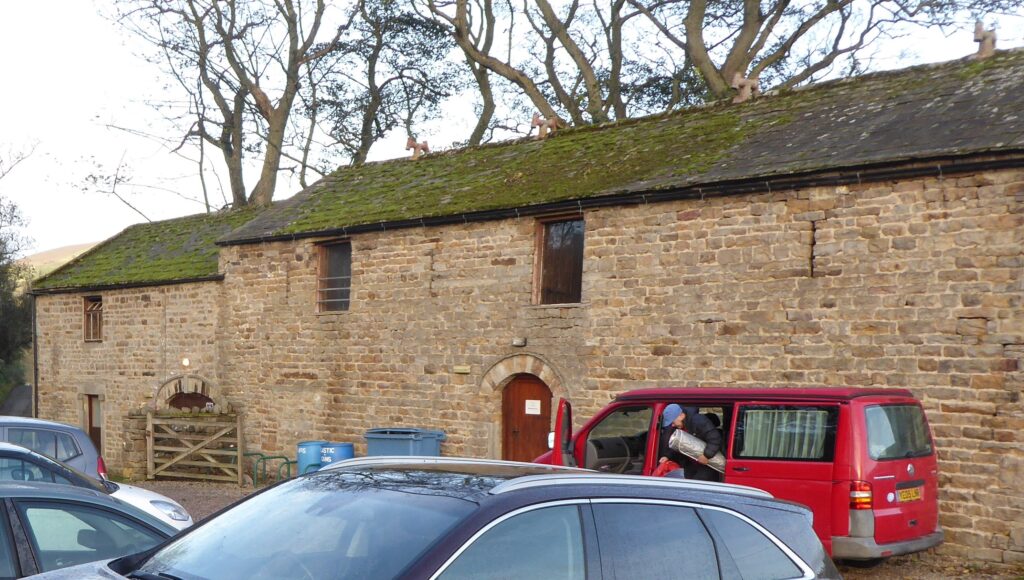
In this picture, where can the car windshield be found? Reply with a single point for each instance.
(333, 524)
(897, 431)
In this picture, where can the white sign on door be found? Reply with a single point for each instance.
(532, 407)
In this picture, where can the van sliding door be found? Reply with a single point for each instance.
(787, 450)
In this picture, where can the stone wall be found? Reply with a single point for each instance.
(914, 284)
(146, 334)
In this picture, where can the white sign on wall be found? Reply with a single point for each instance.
(532, 407)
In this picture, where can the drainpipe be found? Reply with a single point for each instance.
(35, 359)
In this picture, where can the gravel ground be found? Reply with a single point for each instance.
(202, 499)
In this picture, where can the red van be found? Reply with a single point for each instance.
(862, 459)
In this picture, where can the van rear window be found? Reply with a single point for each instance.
(897, 431)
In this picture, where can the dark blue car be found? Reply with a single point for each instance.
(409, 517)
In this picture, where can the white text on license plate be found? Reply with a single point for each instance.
(909, 494)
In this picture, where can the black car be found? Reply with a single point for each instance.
(410, 517)
(47, 526)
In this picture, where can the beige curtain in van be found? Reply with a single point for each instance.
(785, 433)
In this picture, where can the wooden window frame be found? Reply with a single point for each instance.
(92, 319)
(539, 244)
(323, 251)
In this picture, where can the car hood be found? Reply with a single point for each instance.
(141, 498)
(91, 571)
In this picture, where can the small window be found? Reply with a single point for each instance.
(93, 322)
(790, 432)
(334, 281)
(744, 552)
(897, 432)
(543, 543)
(653, 541)
(560, 277)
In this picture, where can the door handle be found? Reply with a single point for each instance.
(741, 469)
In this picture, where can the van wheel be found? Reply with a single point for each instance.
(864, 563)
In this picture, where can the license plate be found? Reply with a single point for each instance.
(909, 494)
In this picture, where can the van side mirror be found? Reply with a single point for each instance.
(551, 439)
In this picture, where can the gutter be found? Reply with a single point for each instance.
(35, 360)
(104, 287)
(930, 167)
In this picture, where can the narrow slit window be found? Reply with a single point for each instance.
(93, 319)
(561, 262)
(334, 282)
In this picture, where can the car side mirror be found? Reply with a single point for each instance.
(551, 439)
(89, 539)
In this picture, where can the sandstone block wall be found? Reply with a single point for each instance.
(914, 284)
(146, 334)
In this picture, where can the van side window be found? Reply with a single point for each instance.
(792, 432)
(618, 444)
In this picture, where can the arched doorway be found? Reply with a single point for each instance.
(526, 418)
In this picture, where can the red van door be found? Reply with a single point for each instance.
(901, 470)
(787, 450)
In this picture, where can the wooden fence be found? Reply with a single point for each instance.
(197, 446)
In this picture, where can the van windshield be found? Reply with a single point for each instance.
(897, 431)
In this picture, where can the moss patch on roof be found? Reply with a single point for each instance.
(150, 253)
(948, 109)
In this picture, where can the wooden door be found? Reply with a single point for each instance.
(94, 421)
(526, 416)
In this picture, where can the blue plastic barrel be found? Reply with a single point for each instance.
(332, 452)
(308, 455)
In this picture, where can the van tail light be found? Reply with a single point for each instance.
(101, 468)
(860, 495)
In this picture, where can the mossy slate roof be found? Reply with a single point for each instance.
(950, 109)
(953, 109)
(153, 253)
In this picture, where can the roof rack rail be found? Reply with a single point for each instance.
(583, 478)
(412, 460)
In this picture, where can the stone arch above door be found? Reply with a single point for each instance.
(507, 368)
(189, 384)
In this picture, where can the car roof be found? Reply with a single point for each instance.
(477, 477)
(56, 491)
(14, 420)
(699, 394)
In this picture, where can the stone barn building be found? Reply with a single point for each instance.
(863, 232)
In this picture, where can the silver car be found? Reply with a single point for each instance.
(65, 443)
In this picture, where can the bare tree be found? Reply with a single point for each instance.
(12, 158)
(240, 63)
(390, 69)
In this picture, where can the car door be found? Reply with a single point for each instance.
(787, 450)
(65, 533)
(538, 541)
(652, 539)
(562, 446)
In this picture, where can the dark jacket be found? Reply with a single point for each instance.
(702, 428)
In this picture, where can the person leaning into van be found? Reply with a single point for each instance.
(691, 421)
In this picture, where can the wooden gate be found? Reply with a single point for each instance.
(195, 446)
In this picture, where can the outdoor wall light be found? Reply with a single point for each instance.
(185, 362)
(519, 341)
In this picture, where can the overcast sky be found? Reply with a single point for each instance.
(70, 76)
